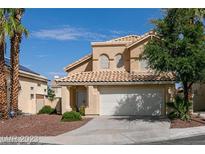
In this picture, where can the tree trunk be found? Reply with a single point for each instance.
(15, 41)
(3, 89)
(15, 85)
(186, 95)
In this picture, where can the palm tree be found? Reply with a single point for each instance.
(3, 89)
(17, 29)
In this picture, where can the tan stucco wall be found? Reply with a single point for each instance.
(135, 53)
(111, 52)
(66, 101)
(93, 107)
(26, 104)
(130, 57)
(198, 91)
(57, 91)
(83, 67)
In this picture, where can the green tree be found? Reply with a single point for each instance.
(179, 47)
(51, 94)
(200, 12)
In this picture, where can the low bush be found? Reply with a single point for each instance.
(75, 109)
(71, 116)
(179, 109)
(82, 110)
(47, 110)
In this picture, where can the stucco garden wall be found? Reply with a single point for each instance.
(199, 97)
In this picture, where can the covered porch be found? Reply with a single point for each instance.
(76, 96)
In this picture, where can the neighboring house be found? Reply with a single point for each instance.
(33, 89)
(112, 80)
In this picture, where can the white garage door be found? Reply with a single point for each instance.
(131, 101)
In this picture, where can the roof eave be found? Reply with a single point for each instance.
(64, 83)
(146, 37)
(76, 63)
(32, 76)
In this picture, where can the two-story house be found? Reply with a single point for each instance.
(32, 89)
(113, 80)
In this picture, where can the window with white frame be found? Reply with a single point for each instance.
(119, 61)
(104, 62)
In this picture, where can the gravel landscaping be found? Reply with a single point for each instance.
(194, 122)
(38, 125)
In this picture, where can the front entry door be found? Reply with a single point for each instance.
(81, 98)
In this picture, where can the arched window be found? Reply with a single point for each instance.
(104, 62)
(119, 60)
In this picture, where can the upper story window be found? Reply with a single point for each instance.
(143, 65)
(119, 61)
(104, 62)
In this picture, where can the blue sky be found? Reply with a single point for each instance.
(61, 36)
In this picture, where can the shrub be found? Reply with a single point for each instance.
(51, 94)
(82, 110)
(71, 116)
(75, 109)
(46, 110)
(179, 109)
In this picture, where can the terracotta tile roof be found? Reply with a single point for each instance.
(78, 62)
(131, 38)
(115, 76)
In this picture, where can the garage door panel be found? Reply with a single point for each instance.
(131, 101)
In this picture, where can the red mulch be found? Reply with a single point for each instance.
(194, 122)
(38, 125)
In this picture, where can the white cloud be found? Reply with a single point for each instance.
(121, 32)
(57, 73)
(68, 33)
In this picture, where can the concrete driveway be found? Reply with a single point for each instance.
(115, 130)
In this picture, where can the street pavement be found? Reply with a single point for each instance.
(196, 140)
